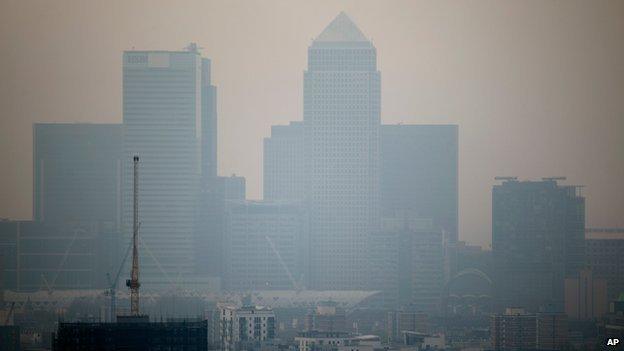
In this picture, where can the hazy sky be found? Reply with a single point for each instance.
(537, 87)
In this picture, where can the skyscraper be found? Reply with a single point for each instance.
(162, 119)
(208, 124)
(418, 174)
(341, 113)
(537, 241)
(284, 163)
(77, 172)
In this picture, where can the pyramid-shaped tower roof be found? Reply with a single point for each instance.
(341, 29)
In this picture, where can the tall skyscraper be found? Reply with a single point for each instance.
(537, 241)
(77, 172)
(418, 174)
(341, 115)
(284, 163)
(208, 124)
(162, 119)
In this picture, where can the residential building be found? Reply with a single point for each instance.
(284, 164)
(537, 241)
(327, 317)
(341, 114)
(518, 330)
(246, 326)
(77, 172)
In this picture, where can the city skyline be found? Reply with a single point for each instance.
(533, 107)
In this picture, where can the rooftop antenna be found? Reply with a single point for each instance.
(133, 282)
(192, 47)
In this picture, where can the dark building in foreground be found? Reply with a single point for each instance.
(537, 241)
(132, 333)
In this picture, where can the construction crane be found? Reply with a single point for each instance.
(294, 283)
(133, 282)
(112, 290)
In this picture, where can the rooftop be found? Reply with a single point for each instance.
(341, 29)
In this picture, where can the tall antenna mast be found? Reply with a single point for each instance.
(133, 283)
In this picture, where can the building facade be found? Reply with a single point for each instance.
(162, 124)
(57, 256)
(418, 174)
(245, 327)
(77, 172)
(537, 241)
(264, 245)
(585, 296)
(284, 164)
(604, 247)
(518, 330)
(341, 115)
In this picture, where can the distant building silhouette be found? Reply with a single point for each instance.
(77, 172)
(517, 329)
(53, 256)
(284, 163)
(163, 113)
(418, 174)
(586, 296)
(604, 248)
(537, 241)
(341, 115)
(210, 231)
(263, 245)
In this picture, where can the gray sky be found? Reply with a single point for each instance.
(537, 87)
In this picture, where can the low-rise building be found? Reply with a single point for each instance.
(245, 327)
(518, 330)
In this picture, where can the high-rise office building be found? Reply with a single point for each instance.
(537, 241)
(284, 163)
(341, 116)
(77, 172)
(419, 260)
(162, 120)
(418, 174)
(263, 245)
(208, 124)
(209, 240)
